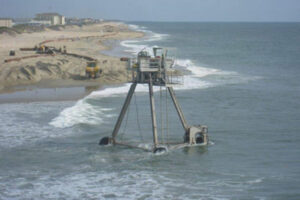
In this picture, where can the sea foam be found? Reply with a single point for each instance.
(82, 112)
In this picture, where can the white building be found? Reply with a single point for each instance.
(52, 18)
(5, 22)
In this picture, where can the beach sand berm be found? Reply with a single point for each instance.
(62, 71)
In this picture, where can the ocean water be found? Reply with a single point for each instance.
(241, 79)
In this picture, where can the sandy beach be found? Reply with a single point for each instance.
(62, 71)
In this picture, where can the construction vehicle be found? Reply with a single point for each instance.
(45, 50)
(92, 69)
(12, 53)
(41, 49)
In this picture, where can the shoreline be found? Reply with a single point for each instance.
(114, 71)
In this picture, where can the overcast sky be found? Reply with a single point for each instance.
(159, 10)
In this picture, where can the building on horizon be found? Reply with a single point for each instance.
(6, 22)
(50, 19)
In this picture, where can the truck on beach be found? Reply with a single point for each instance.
(92, 69)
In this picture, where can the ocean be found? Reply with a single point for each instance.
(242, 80)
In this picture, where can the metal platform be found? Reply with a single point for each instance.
(156, 71)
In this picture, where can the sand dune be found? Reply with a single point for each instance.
(62, 70)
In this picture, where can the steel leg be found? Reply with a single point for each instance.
(123, 111)
(178, 109)
(153, 114)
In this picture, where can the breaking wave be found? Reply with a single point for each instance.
(81, 113)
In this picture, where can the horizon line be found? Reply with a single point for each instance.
(207, 21)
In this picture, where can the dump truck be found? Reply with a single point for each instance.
(92, 69)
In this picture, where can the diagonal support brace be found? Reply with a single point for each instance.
(178, 109)
(123, 111)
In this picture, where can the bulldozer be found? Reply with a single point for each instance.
(92, 69)
(44, 50)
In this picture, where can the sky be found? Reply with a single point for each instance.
(159, 10)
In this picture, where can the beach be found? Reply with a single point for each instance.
(61, 70)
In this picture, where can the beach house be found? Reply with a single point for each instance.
(50, 18)
(5, 22)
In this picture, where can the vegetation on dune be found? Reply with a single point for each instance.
(21, 28)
